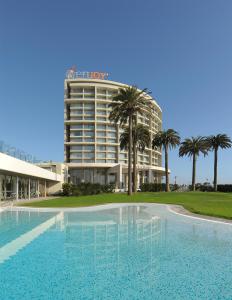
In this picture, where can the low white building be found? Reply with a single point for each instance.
(23, 180)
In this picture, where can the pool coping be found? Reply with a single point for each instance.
(175, 209)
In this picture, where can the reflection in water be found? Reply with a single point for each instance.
(124, 244)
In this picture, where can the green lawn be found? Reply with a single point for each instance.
(211, 204)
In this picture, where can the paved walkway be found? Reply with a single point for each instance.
(16, 203)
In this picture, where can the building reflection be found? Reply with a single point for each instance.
(112, 244)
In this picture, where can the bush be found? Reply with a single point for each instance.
(152, 187)
(67, 189)
(88, 188)
(225, 188)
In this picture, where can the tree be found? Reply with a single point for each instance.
(167, 139)
(192, 147)
(125, 106)
(141, 141)
(215, 142)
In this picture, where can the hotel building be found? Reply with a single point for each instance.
(92, 143)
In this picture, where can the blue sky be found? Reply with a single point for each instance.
(181, 50)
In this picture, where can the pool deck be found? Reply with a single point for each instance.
(180, 210)
(176, 209)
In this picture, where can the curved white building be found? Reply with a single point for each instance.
(91, 141)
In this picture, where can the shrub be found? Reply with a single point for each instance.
(152, 187)
(88, 188)
(67, 189)
(225, 188)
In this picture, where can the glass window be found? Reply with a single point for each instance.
(101, 91)
(101, 105)
(101, 148)
(78, 133)
(75, 160)
(101, 119)
(88, 126)
(101, 112)
(101, 155)
(79, 148)
(79, 126)
(89, 112)
(101, 133)
(76, 155)
(111, 155)
(111, 134)
(101, 140)
(88, 154)
(101, 160)
(89, 133)
(111, 127)
(111, 140)
(88, 140)
(88, 118)
(89, 147)
(103, 127)
(111, 148)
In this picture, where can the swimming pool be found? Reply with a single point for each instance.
(113, 252)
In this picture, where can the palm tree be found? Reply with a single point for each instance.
(215, 142)
(125, 106)
(167, 139)
(141, 140)
(192, 147)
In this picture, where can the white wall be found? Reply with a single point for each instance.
(20, 167)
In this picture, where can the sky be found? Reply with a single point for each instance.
(181, 50)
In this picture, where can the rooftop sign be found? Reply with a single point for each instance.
(72, 73)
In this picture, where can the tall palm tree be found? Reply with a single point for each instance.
(125, 106)
(215, 142)
(192, 147)
(141, 140)
(167, 139)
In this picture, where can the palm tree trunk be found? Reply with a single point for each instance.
(194, 173)
(215, 169)
(129, 158)
(166, 169)
(134, 168)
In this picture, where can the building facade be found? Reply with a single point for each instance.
(92, 143)
(21, 180)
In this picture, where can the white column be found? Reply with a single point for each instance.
(29, 189)
(37, 188)
(17, 188)
(150, 175)
(45, 188)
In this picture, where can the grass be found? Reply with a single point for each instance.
(210, 204)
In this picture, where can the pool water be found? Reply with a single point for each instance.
(124, 252)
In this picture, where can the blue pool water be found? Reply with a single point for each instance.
(134, 252)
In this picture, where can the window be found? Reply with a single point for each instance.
(101, 119)
(101, 148)
(101, 140)
(111, 148)
(101, 133)
(101, 161)
(111, 127)
(79, 126)
(73, 148)
(111, 134)
(100, 105)
(111, 140)
(88, 140)
(88, 148)
(78, 133)
(101, 112)
(111, 155)
(103, 127)
(89, 133)
(101, 155)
